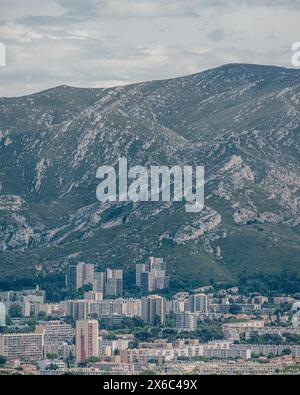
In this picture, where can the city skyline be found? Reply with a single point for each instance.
(200, 331)
(149, 190)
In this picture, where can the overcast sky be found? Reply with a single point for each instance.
(101, 43)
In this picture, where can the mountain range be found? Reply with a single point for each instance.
(240, 121)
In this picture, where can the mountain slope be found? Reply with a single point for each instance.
(241, 122)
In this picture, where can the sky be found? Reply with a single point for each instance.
(103, 43)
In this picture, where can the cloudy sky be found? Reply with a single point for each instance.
(101, 43)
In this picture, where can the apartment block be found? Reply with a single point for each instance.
(153, 307)
(186, 321)
(86, 339)
(152, 276)
(113, 282)
(56, 332)
(23, 346)
(198, 303)
(78, 275)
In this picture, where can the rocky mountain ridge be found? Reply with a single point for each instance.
(241, 122)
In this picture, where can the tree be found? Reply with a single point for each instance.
(52, 366)
(93, 359)
(70, 360)
(155, 332)
(292, 338)
(85, 288)
(234, 309)
(8, 320)
(51, 356)
(2, 360)
(31, 323)
(15, 311)
(143, 335)
(42, 316)
(147, 373)
(133, 344)
(171, 320)
(156, 321)
(169, 333)
(152, 360)
(210, 330)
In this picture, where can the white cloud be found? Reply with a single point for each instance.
(22, 34)
(200, 51)
(14, 9)
(114, 42)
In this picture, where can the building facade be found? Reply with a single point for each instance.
(153, 308)
(23, 346)
(86, 339)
